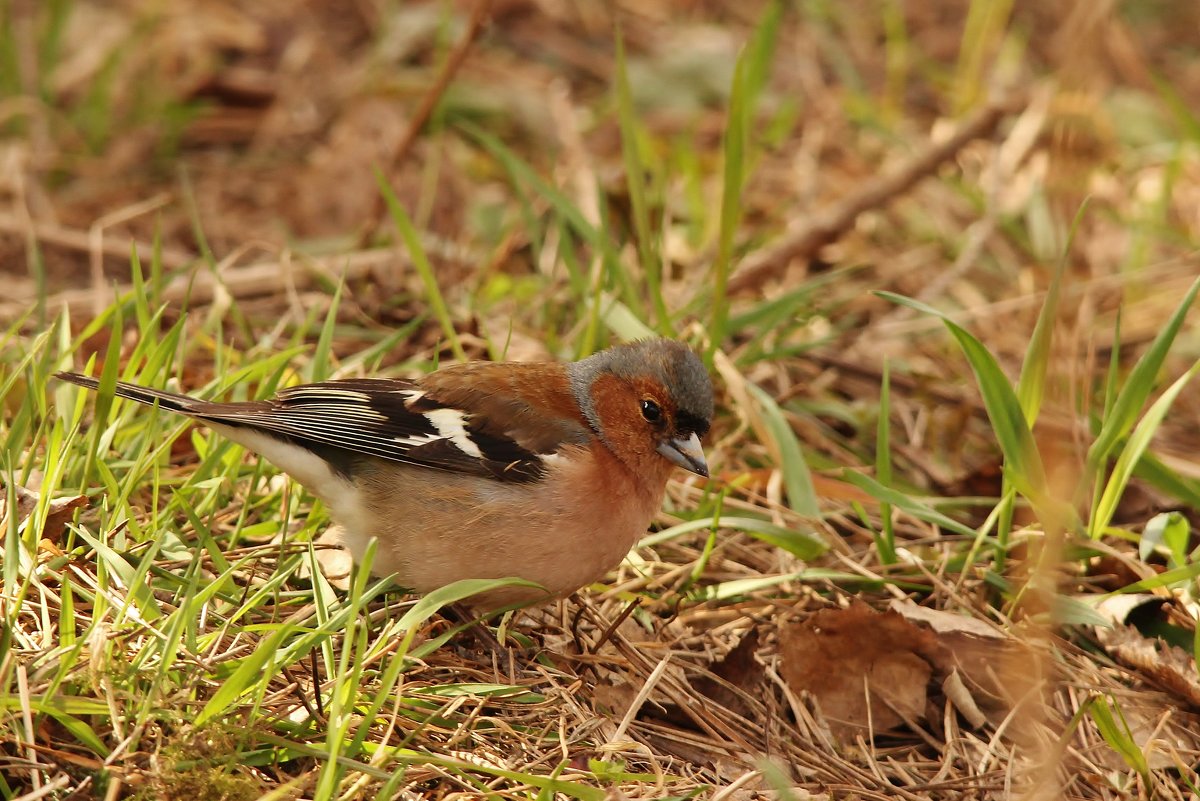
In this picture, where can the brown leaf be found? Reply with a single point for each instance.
(614, 699)
(1162, 665)
(987, 660)
(740, 669)
(944, 622)
(58, 512)
(964, 701)
(869, 671)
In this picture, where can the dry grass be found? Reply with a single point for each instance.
(940, 154)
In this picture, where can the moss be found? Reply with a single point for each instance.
(199, 767)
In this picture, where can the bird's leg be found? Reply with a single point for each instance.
(486, 641)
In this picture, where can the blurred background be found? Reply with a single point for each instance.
(237, 130)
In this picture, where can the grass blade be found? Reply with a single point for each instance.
(731, 203)
(1115, 731)
(635, 181)
(1131, 454)
(421, 262)
(1021, 457)
(797, 479)
(1031, 385)
(901, 501)
(322, 357)
(1130, 399)
(885, 540)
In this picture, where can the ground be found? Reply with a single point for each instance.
(939, 258)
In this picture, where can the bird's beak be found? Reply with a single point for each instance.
(686, 453)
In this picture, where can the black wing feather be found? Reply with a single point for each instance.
(376, 417)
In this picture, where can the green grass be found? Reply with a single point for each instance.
(176, 610)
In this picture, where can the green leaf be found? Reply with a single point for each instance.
(736, 134)
(1196, 647)
(322, 357)
(1169, 578)
(797, 479)
(1131, 454)
(779, 779)
(421, 262)
(594, 235)
(454, 592)
(985, 27)
(760, 50)
(247, 675)
(1183, 488)
(105, 392)
(1022, 462)
(78, 729)
(1115, 731)
(804, 544)
(1031, 385)
(799, 544)
(1169, 529)
(1021, 456)
(140, 595)
(901, 501)
(1068, 611)
(1138, 386)
(1032, 382)
(624, 323)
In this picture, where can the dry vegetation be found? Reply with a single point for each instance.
(883, 612)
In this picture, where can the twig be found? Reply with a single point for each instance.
(56, 784)
(647, 686)
(612, 627)
(96, 243)
(429, 102)
(805, 236)
(35, 774)
(478, 15)
(74, 239)
(248, 281)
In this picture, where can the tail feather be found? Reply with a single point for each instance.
(321, 467)
(171, 401)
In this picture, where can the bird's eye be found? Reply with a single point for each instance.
(651, 411)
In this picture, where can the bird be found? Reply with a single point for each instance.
(543, 471)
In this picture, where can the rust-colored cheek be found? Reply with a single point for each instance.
(617, 404)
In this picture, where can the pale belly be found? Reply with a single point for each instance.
(451, 527)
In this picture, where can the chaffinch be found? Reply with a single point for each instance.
(545, 471)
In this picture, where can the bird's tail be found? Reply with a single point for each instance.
(171, 401)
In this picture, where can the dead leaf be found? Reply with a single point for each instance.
(868, 671)
(988, 661)
(1162, 665)
(944, 622)
(1117, 609)
(960, 695)
(58, 512)
(334, 561)
(738, 668)
(613, 699)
